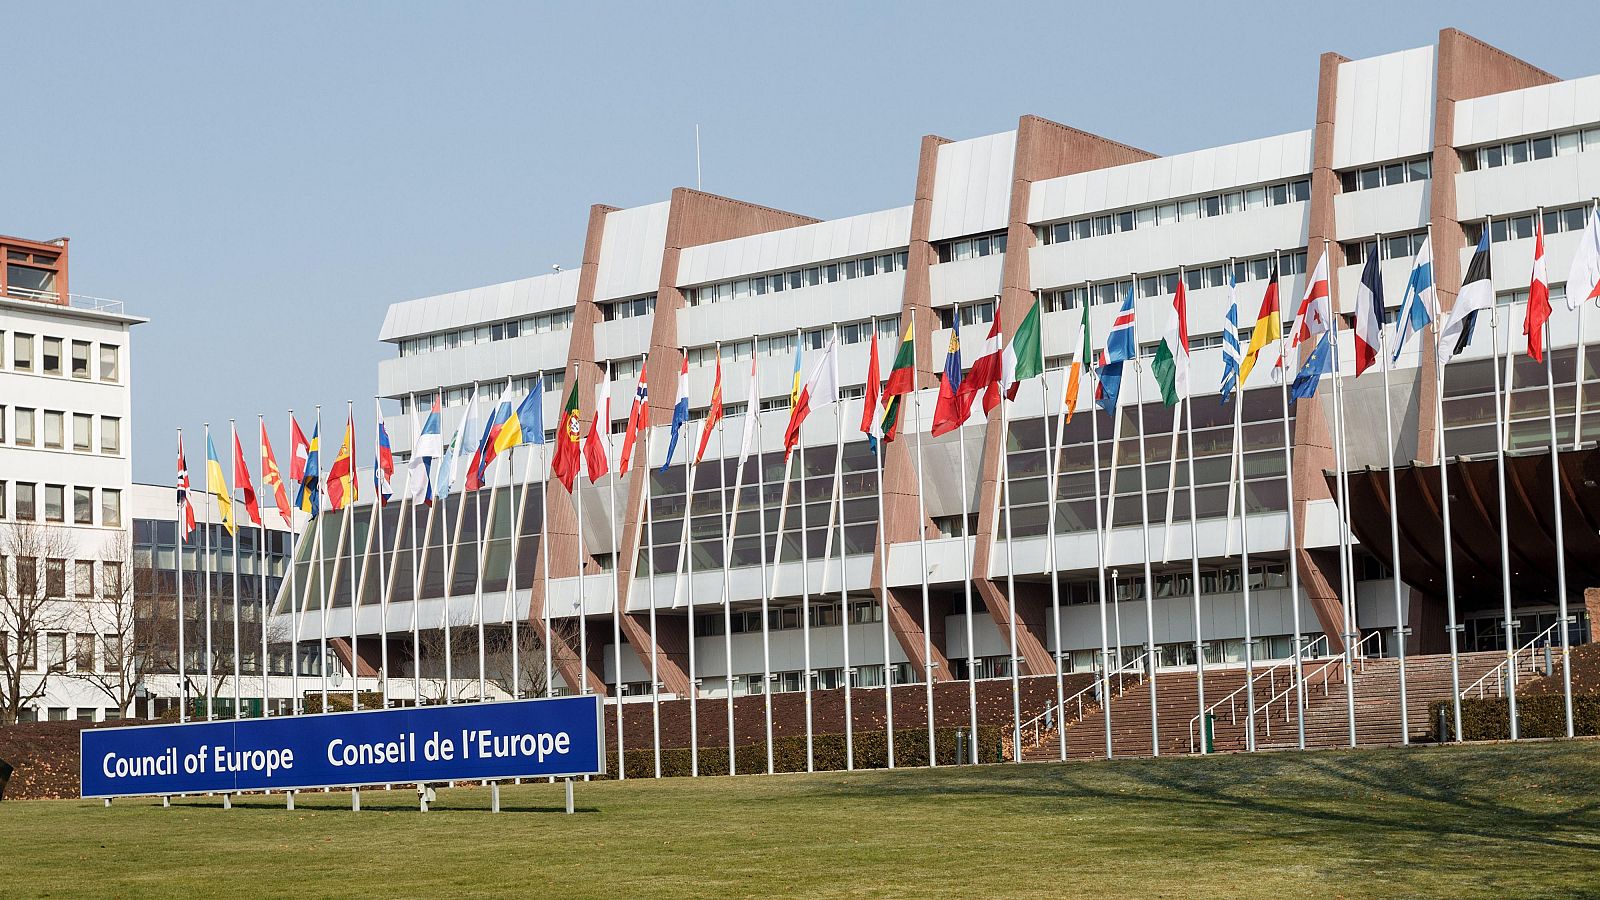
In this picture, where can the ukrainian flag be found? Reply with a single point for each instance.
(217, 485)
(308, 499)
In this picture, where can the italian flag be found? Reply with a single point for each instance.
(1171, 365)
(1079, 362)
(565, 464)
(902, 380)
(1024, 357)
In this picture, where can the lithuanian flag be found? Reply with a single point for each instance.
(902, 380)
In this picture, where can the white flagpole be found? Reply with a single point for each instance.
(511, 613)
(419, 551)
(1401, 628)
(447, 556)
(583, 598)
(1577, 409)
(1505, 542)
(727, 563)
(1452, 629)
(805, 604)
(544, 559)
(844, 591)
(967, 566)
(1102, 532)
(883, 616)
(1194, 569)
(927, 622)
(1288, 486)
(383, 568)
(355, 596)
(484, 524)
(1011, 584)
(686, 554)
(177, 568)
(238, 663)
(1149, 579)
(650, 580)
(766, 590)
(322, 563)
(261, 573)
(1561, 539)
(1053, 479)
(616, 582)
(1346, 548)
(294, 594)
(210, 501)
(1244, 576)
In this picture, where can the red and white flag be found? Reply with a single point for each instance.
(1316, 310)
(820, 390)
(299, 451)
(638, 419)
(1538, 296)
(1583, 279)
(241, 480)
(597, 447)
(986, 369)
(872, 398)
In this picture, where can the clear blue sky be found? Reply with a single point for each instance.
(262, 181)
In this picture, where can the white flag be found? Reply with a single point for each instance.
(1583, 280)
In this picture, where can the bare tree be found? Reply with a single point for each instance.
(114, 617)
(462, 645)
(531, 677)
(32, 603)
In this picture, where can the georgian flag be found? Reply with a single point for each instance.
(1315, 316)
(1369, 314)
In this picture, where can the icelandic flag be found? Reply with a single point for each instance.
(1108, 384)
(428, 447)
(1416, 307)
(383, 466)
(680, 412)
(1120, 343)
(1369, 314)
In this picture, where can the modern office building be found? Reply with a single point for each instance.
(66, 370)
(940, 577)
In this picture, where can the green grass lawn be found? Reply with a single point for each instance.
(1493, 820)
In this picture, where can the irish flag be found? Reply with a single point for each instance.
(1079, 362)
(1171, 365)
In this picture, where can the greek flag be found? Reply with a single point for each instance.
(1231, 354)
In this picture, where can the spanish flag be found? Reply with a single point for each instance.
(342, 487)
(217, 485)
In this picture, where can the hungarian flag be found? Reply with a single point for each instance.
(1538, 296)
(1024, 357)
(597, 447)
(985, 374)
(185, 508)
(902, 380)
(1369, 314)
(821, 389)
(271, 478)
(872, 398)
(565, 463)
(1081, 360)
(342, 487)
(954, 403)
(1268, 327)
(1171, 365)
(638, 419)
(713, 414)
(241, 480)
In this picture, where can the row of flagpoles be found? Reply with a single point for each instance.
(438, 468)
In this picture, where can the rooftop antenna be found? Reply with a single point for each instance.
(697, 156)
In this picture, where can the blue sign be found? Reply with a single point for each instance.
(561, 736)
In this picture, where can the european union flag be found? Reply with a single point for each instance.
(1318, 364)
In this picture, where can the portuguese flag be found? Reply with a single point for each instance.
(565, 464)
(902, 380)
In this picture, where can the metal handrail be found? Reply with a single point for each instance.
(1500, 672)
(75, 301)
(1231, 698)
(1037, 722)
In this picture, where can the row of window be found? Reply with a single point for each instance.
(788, 618)
(1418, 169)
(28, 714)
(57, 356)
(25, 579)
(1511, 153)
(55, 503)
(1187, 210)
(628, 309)
(25, 430)
(888, 328)
(1516, 228)
(488, 392)
(1163, 284)
(972, 247)
(794, 279)
(483, 334)
(1392, 246)
(90, 653)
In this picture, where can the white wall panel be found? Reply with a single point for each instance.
(841, 301)
(630, 251)
(1401, 207)
(523, 297)
(963, 280)
(972, 186)
(1546, 107)
(861, 235)
(1384, 108)
(1558, 181)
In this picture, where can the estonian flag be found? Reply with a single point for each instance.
(1477, 294)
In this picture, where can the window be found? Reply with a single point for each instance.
(27, 577)
(111, 652)
(54, 503)
(55, 659)
(2, 424)
(83, 656)
(82, 506)
(83, 578)
(1517, 227)
(3, 511)
(109, 367)
(25, 501)
(110, 434)
(1168, 213)
(55, 578)
(987, 244)
(82, 432)
(54, 424)
(22, 352)
(111, 580)
(110, 508)
(80, 359)
(50, 356)
(1385, 175)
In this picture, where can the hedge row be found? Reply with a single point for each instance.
(341, 702)
(1538, 716)
(827, 751)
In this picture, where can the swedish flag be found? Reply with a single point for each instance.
(308, 498)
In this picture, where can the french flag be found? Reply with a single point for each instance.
(680, 411)
(1369, 314)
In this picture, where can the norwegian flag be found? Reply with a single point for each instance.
(185, 508)
(638, 419)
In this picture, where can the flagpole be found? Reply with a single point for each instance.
(883, 614)
(844, 592)
(544, 559)
(1505, 544)
(1288, 484)
(183, 520)
(238, 663)
(261, 571)
(1053, 479)
(1577, 409)
(294, 591)
(805, 601)
(210, 501)
(383, 573)
(483, 524)
(686, 553)
(1011, 585)
(583, 594)
(766, 590)
(511, 613)
(922, 543)
(650, 573)
(966, 556)
(616, 577)
(1561, 541)
(1237, 454)
(355, 596)
(1149, 579)
(1400, 619)
(1194, 570)
(1346, 548)
(419, 550)
(1102, 529)
(727, 558)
